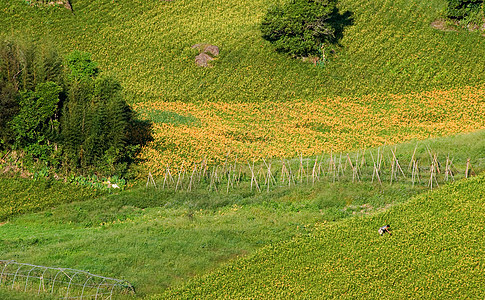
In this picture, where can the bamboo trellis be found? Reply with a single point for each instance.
(263, 175)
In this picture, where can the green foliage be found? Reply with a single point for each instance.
(19, 196)
(34, 123)
(460, 9)
(299, 27)
(24, 67)
(80, 65)
(9, 107)
(96, 121)
(70, 118)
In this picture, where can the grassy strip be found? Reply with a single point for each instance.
(435, 252)
(20, 295)
(157, 239)
(19, 196)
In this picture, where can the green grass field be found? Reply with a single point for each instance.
(157, 239)
(435, 252)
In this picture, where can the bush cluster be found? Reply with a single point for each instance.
(64, 112)
(466, 9)
(300, 27)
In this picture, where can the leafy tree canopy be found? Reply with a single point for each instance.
(300, 27)
(80, 65)
(74, 119)
(460, 9)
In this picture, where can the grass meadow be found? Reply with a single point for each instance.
(435, 251)
(157, 239)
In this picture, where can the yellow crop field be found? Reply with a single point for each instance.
(275, 130)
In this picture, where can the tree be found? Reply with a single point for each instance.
(461, 9)
(71, 118)
(23, 66)
(96, 120)
(34, 125)
(300, 27)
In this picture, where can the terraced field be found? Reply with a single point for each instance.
(392, 78)
(435, 251)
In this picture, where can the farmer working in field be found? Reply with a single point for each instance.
(384, 229)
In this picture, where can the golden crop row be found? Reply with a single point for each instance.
(262, 130)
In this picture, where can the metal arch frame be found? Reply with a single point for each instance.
(97, 290)
(8, 262)
(41, 281)
(15, 277)
(84, 286)
(28, 276)
(104, 289)
(70, 282)
(54, 280)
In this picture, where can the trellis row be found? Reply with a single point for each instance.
(357, 167)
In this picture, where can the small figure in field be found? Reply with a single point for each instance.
(384, 229)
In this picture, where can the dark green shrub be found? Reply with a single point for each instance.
(96, 120)
(71, 118)
(34, 123)
(460, 9)
(300, 27)
(24, 67)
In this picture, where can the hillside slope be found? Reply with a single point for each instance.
(386, 47)
(436, 251)
(393, 77)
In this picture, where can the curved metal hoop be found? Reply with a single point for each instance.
(62, 282)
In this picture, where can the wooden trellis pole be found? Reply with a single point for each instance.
(213, 183)
(229, 181)
(411, 163)
(315, 171)
(179, 178)
(375, 170)
(415, 172)
(363, 161)
(332, 167)
(301, 169)
(189, 187)
(448, 172)
(269, 176)
(468, 168)
(150, 180)
(167, 177)
(284, 171)
(253, 177)
(432, 176)
(395, 167)
(291, 176)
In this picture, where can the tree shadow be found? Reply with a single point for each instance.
(339, 21)
(141, 132)
(139, 135)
